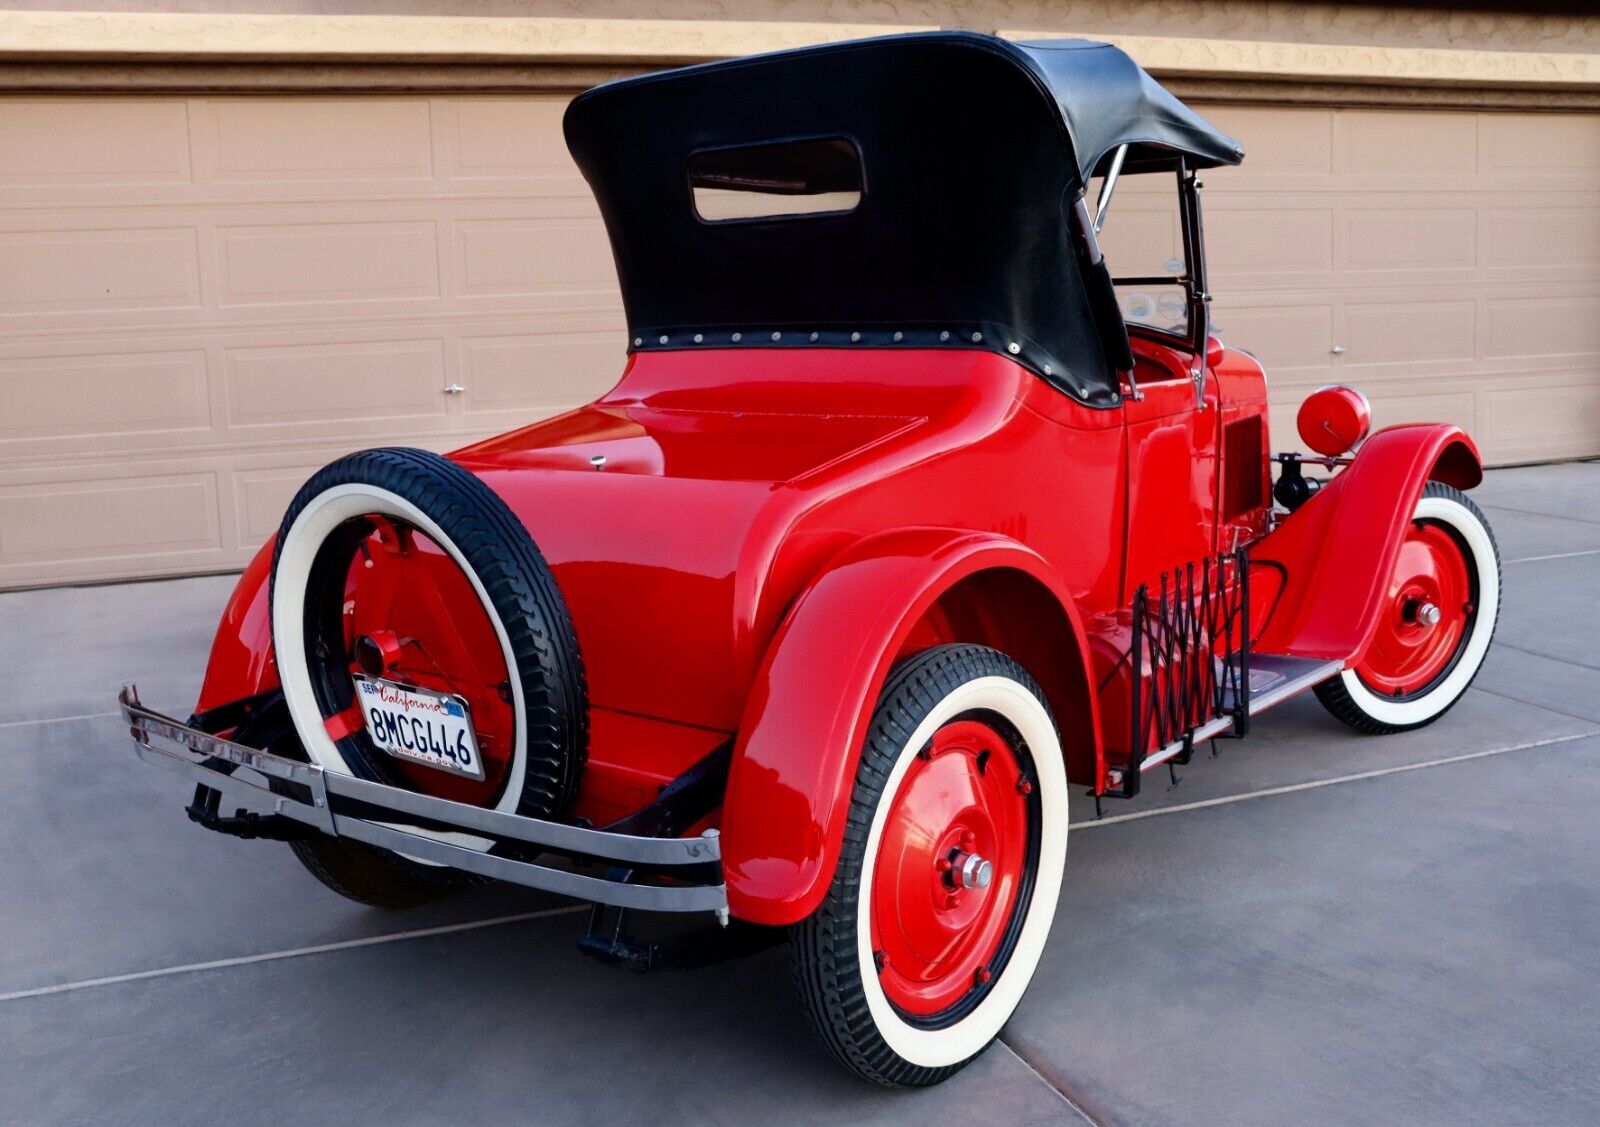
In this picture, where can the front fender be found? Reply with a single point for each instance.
(806, 718)
(1333, 556)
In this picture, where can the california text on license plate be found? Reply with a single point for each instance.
(422, 726)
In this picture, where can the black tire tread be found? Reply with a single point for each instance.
(823, 959)
(1337, 699)
(524, 595)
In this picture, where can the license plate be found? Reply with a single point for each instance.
(425, 727)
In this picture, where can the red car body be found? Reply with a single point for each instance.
(773, 529)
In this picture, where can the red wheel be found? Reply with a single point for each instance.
(948, 876)
(409, 614)
(1430, 608)
(950, 866)
(1436, 621)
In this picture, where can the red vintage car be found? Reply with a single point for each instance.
(905, 518)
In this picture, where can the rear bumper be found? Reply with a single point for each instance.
(659, 874)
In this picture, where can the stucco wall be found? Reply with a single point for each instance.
(1535, 26)
(1421, 56)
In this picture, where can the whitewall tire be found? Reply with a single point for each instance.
(1437, 619)
(946, 887)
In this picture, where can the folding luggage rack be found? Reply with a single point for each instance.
(1194, 677)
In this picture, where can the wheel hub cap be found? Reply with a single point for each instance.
(949, 868)
(1429, 614)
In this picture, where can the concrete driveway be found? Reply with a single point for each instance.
(1313, 927)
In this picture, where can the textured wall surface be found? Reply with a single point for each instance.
(1550, 26)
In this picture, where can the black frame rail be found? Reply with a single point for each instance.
(653, 873)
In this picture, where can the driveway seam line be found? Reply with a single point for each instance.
(1535, 704)
(1317, 784)
(1556, 556)
(1045, 1080)
(1547, 657)
(1547, 516)
(57, 719)
(287, 953)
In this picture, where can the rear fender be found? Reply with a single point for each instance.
(806, 718)
(241, 663)
(1328, 564)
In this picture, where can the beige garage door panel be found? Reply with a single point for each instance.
(87, 147)
(154, 516)
(145, 516)
(207, 298)
(1453, 257)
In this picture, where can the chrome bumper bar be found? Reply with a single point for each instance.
(658, 874)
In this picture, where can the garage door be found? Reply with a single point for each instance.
(1446, 263)
(204, 299)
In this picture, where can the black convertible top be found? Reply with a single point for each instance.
(1106, 99)
(968, 151)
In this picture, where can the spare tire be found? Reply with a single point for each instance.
(407, 547)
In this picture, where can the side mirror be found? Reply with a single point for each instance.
(1214, 351)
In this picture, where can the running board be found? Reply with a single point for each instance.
(1274, 678)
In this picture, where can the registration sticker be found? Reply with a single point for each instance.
(434, 729)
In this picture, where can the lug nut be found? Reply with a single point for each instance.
(976, 872)
(1428, 614)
